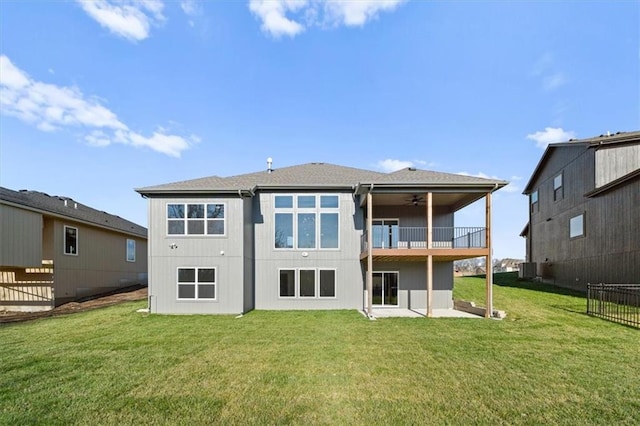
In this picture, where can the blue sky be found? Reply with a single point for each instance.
(100, 97)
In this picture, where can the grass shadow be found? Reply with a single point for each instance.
(510, 279)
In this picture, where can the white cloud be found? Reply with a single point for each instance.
(291, 17)
(391, 165)
(543, 64)
(545, 68)
(551, 135)
(50, 107)
(273, 15)
(357, 13)
(510, 187)
(553, 81)
(479, 174)
(190, 7)
(130, 19)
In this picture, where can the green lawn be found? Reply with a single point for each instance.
(547, 363)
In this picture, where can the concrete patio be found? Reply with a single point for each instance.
(418, 313)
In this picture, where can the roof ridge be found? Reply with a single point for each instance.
(59, 205)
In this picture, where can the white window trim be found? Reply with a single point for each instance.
(64, 240)
(126, 254)
(296, 278)
(295, 210)
(185, 220)
(196, 299)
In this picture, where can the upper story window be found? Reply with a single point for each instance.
(196, 219)
(70, 240)
(534, 201)
(131, 250)
(576, 226)
(558, 191)
(306, 221)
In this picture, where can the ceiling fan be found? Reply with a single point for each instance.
(415, 200)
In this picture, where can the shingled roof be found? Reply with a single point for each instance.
(318, 175)
(69, 208)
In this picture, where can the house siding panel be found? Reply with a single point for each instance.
(609, 251)
(615, 162)
(248, 248)
(345, 260)
(20, 237)
(412, 283)
(100, 264)
(225, 253)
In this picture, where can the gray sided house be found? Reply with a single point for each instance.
(312, 236)
(54, 250)
(584, 212)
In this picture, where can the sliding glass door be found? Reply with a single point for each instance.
(385, 288)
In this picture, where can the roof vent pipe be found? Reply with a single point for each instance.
(65, 203)
(269, 164)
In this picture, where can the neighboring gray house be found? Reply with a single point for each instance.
(584, 215)
(312, 236)
(54, 250)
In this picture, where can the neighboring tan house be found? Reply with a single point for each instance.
(507, 265)
(584, 212)
(54, 250)
(312, 236)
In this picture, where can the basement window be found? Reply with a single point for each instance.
(307, 283)
(196, 283)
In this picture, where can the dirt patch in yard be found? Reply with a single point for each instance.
(124, 295)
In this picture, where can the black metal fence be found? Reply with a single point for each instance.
(615, 302)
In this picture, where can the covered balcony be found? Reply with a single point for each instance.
(415, 223)
(389, 240)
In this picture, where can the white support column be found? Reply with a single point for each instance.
(489, 260)
(369, 254)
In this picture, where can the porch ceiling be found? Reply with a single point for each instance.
(454, 200)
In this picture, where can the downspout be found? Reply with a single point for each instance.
(149, 257)
(369, 253)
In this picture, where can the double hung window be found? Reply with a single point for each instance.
(70, 240)
(131, 250)
(558, 191)
(534, 201)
